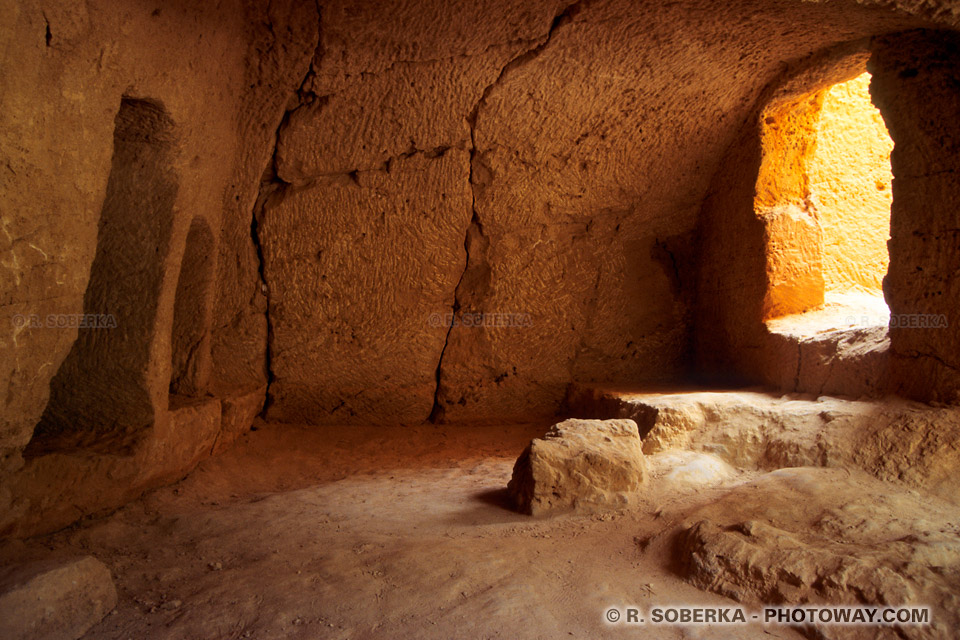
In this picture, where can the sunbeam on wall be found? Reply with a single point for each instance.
(850, 182)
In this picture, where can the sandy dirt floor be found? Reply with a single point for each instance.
(352, 533)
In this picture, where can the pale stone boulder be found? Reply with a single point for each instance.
(581, 465)
(55, 600)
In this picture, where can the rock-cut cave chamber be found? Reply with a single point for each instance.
(291, 285)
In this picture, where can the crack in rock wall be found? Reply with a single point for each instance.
(364, 250)
(281, 56)
(474, 281)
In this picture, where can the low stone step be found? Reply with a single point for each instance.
(891, 438)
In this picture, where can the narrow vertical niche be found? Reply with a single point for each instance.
(190, 341)
(851, 183)
(100, 398)
(827, 209)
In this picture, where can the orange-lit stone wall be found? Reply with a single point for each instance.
(850, 182)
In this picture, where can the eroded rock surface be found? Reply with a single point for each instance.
(581, 465)
(892, 439)
(914, 73)
(55, 600)
(840, 348)
(817, 536)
